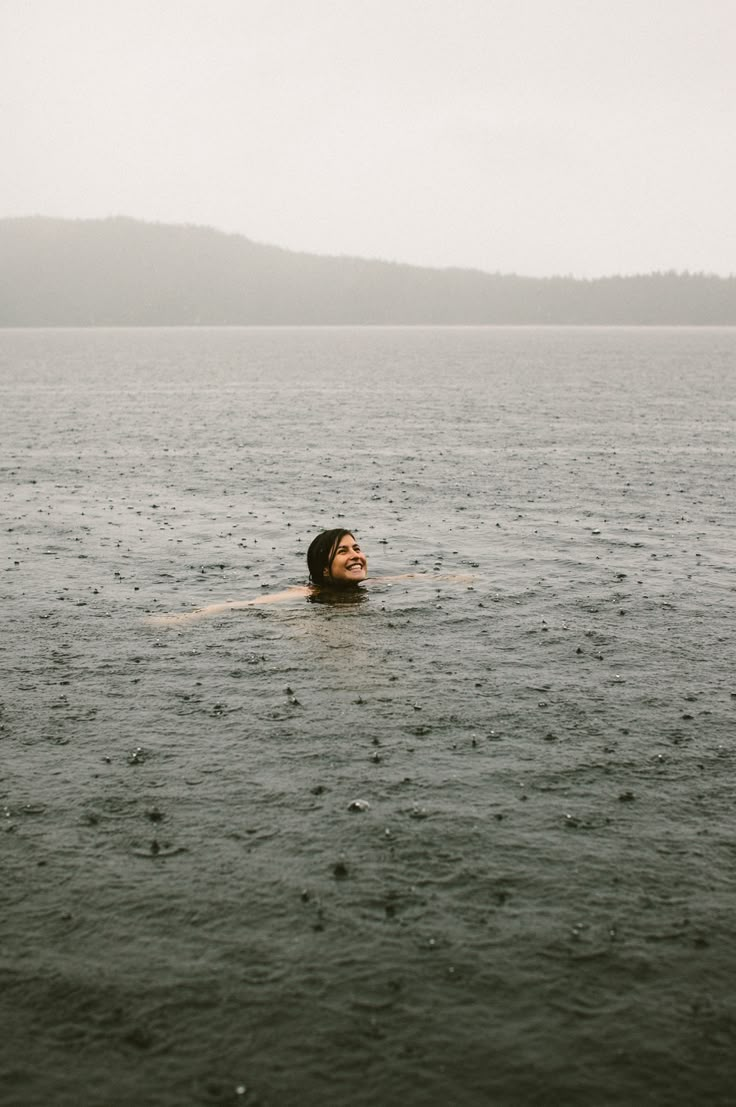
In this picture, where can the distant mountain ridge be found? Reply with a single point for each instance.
(125, 272)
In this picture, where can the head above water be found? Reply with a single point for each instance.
(335, 559)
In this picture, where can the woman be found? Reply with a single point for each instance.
(335, 561)
(337, 567)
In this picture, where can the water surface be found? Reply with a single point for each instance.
(534, 902)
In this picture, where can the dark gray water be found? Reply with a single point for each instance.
(536, 905)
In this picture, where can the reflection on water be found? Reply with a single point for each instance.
(338, 597)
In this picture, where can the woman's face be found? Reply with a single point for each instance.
(349, 564)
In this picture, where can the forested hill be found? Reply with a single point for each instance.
(119, 271)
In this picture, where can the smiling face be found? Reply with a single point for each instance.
(348, 563)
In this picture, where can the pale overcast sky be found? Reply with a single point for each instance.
(531, 136)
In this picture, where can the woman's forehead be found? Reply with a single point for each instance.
(346, 539)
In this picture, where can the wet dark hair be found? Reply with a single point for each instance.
(321, 553)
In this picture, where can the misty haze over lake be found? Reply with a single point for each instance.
(590, 139)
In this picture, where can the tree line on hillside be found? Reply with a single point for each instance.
(124, 272)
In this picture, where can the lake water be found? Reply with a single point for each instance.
(534, 904)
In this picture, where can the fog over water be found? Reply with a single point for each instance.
(468, 840)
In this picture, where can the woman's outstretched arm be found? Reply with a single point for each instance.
(176, 619)
(173, 618)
